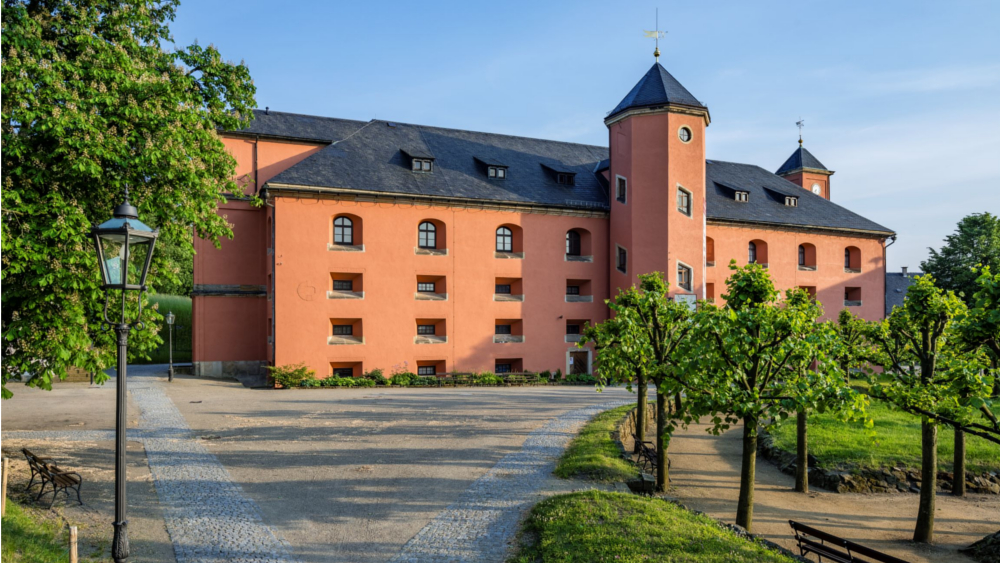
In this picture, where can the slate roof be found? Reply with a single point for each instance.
(766, 202)
(373, 157)
(658, 87)
(801, 158)
(895, 289)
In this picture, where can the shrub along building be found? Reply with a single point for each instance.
(386, 244)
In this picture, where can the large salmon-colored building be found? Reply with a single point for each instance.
(407, 247)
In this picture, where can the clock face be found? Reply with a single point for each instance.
(817, 189)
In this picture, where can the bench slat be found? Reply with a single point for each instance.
(825, 550)
(828, 551)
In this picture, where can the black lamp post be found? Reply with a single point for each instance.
(170, 323)
(124, 251)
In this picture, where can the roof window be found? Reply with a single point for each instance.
(742, 197)
(565, 178)
(497, 172)
(423, 165)
(791, 201)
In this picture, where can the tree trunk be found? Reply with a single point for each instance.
(801, 454)
(744, 509)
(958, 481)
(924, 532)
(678, 406)
(662, 471)
(640, 412)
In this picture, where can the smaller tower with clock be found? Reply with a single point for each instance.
(806, 170)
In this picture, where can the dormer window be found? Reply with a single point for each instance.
(791, 201)
(565, 178)
(497, 172)
(742, 197)
(423, 165)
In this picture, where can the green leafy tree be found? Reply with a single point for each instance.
(759, 359)
(646, 334)
(624, 369)
(92, 104)
(929, 374)
(974, 244)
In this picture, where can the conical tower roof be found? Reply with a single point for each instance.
(658, 87)
(800, 159)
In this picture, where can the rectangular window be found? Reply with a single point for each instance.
(684, 277)
(343, 285)
(572, 290)
(742, 197)
(503, 288)
(343, 372)
(502, 368)
(620, 194)
(502, 329)
(426, 370)
(792, 201)
(622, 260)
(343, 330)
(497, 172)
(426, 287)
(426, 329)
(565, 179)
(684, 201)
(422, 165)
(572, 329)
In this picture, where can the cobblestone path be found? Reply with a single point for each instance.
(481, 525)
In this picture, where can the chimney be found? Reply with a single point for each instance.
(267, 110)
(904, 272)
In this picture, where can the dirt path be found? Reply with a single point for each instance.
(705, 476)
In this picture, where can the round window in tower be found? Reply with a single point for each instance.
(684, 134)
(817, 189)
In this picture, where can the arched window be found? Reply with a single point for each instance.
(847, 257)
(802, 255)
(427, 235)
(572, 243)
(505, 240)
(343, 231)
(752, 253)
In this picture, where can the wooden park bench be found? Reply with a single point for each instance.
(647, 456)
(833, 548)
(50, 474)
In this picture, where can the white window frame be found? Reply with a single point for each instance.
(691, 271)
(742, 197)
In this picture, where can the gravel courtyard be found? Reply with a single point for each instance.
(318, 475)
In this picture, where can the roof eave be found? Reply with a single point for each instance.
(805, 169)
(699, 111)
(838, 230)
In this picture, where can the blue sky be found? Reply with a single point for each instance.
(901, 98)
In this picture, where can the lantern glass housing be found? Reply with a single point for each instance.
(170, 317)
(124, 249)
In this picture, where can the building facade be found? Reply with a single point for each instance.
(406, 247)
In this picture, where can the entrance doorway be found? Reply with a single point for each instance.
(579, 362)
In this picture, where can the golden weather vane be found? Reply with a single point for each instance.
(656, 34)
(800, 124)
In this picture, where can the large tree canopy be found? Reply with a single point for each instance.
(975, 243)
(93, 103)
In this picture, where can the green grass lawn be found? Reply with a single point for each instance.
(181, 307)
(597, 526)
(593, 455)
(26, 540)
(896, 442)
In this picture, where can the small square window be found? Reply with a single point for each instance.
(742, 197)
(502, 329)
(501, 173)
(426, 370)
(792, 201)
(502, 368)
(422, 165)
(343, 330)
(572, 329)
(343, 372)
(572, 290)
(497, 172)
(565, 178)
(503, 288)
(343, 285)
(426, 329)
(426, 287)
